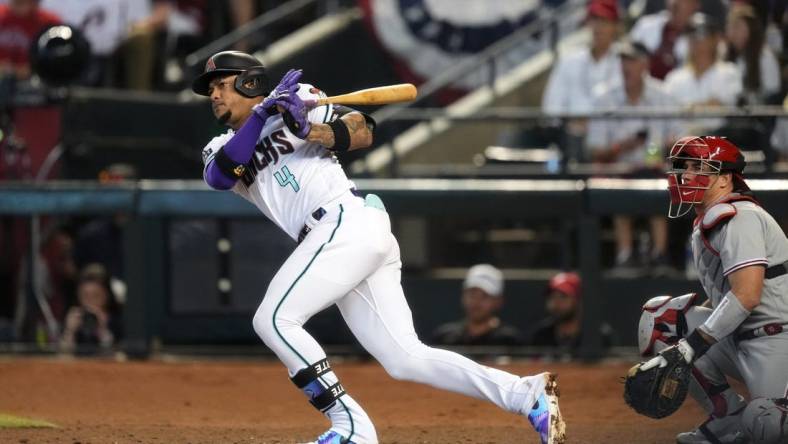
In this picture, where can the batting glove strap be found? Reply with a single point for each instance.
(295, 115)
(265, 109)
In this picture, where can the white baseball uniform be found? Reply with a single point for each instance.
(349, 258)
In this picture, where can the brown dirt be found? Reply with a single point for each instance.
(253, 402)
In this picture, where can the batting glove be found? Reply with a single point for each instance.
(288, 84)
(295, 114)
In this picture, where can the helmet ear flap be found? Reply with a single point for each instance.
(258, 80)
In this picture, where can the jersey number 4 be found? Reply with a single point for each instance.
(284, 177)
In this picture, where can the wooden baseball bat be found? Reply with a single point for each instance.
(403, 92)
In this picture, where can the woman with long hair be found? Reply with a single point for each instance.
(746, 48)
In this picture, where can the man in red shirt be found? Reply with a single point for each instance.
(20, 22)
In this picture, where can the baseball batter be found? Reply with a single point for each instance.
(741, 254)
(278, 155)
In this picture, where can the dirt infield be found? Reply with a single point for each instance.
(253, 402)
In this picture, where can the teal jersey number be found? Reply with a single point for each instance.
(284, 177)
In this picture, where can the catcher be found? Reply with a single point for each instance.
(741, 254)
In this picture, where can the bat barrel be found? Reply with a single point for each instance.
(382, 95)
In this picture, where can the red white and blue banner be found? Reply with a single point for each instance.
(428, 37)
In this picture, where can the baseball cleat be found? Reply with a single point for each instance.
(331, 437)
(545, 415)
(725, 430)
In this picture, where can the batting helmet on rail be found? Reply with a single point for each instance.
(59, 54)
(252, 80)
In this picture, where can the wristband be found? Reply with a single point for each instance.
(227, 166)
(698, 344)
(726, 317)
(341, 135)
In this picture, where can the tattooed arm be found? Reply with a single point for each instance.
(359, 128)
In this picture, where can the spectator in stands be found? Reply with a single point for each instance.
(482, 299)
(59, 269)
(578, 72)
(101, 241)
(563, 327)
(779, 139)
(53, 282)
(704, 80)
(107, 25)
(662, 33)
(95, 321)
(756, 62)
(637, 144)
(183, 26)
(242, 12)
(20, 23)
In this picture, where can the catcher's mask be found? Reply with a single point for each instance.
(251, 81)
(694, 159)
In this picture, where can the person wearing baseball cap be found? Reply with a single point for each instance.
(482, 299)
(578, 72)
(637, 144)
(663, 34)
(705, 80)
(562, 328)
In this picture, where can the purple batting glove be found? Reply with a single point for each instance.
(288, 85)
(295, 115)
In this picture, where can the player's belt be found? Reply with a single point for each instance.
(776, 271)
(319, 213)
(316, 215)
(766, 330)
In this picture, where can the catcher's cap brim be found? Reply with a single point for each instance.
(200, 84)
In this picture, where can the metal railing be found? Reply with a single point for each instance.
(151, 203)
(258, 24)
(520, 114)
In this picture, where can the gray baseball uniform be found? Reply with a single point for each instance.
(732, 235)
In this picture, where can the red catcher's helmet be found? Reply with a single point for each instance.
(709, 156)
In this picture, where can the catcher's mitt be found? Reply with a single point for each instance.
(659, 391)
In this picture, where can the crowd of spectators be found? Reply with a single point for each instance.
(683, 57)
(692, 60)
(135, 44)
(71, 293)
(696, 59)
